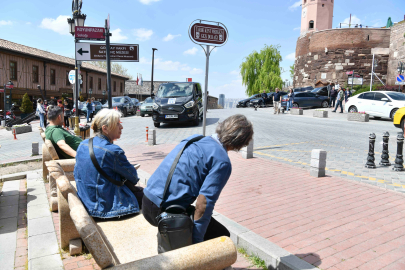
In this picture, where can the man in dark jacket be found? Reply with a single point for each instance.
(333, 96)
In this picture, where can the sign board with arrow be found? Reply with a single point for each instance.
(97, 52)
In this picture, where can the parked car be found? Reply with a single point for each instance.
(123, 104)
(376, 103)
(306, 99)
(178, 102)
(399, 118)
(81, 106)
(146, 107)
(303, 89)
(322, 91)
(245, 102)
(264, 102)
(136, 103)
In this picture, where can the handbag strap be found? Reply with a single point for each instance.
(95, 163)
(176, 160)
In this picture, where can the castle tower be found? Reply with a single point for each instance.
(316, 15)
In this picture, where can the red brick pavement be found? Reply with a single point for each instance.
(330, 222)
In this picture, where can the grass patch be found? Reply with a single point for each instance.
(88, 256)
(254, 259)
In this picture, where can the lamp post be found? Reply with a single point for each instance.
(8, 85)
(90, 92)
(401, 69)
(153, 62)
(77, 20)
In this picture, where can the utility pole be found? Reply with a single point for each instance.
(153, 62)
(107, 44)
(372, 72)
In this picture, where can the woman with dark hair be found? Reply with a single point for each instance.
(201, 173)
(45, 105)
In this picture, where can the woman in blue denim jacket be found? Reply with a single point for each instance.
(100, 197)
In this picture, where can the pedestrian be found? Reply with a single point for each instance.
(40, 111)
(340, 98)
(67, 112)
(45, 104)
(277, 101)
(93, 108)
(333, 95)
(89, 108)
(348, 94)
(290, 99)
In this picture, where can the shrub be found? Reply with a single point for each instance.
(26, 105)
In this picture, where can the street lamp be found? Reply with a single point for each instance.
(401, 69)
(153, 61)
(90, 92)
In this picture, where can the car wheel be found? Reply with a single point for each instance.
(353, 109)
(402, 123)
(142, 115)
(248, 105)
(260, 104)
(393, 113)
(295, 105)
(156, 124)
(325, 104)
(196, 121)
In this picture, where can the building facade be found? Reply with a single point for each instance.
(316, 15)
(141, 92)
(27, 68)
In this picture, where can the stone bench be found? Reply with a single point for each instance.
(130, 241)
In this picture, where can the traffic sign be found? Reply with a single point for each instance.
(400, 78)
(72, 76)
(9, 86)
(202, 33)
(89, 33)
(97, 52)
(400, 83)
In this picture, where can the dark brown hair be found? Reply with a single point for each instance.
(235, 132)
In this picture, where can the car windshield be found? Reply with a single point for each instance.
(171, 90)
(316, 89)
(148, 100)
(396, 96)
(118, 100)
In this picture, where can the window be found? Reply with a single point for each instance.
(99, 84)
(91, 82)
(323, 5)
(35, 77)
(368, 96)
(311, 24)
(13, 70)
(360, 96)
(67, 78)
(300, 95)
(115, 86)
(121, 87)
(379, 96)
(305, 1)
(53, 77)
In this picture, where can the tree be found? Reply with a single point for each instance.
(115, 67)
(292, 72)
(26, 105)
(261, 71)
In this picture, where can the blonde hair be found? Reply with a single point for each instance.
(106, 117)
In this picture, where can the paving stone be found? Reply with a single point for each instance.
(37, 199)
(9, 200)
(38, 211)
(8, 225)
(35, 190)
(9, 211)
(51, 262)
(7, 260)
(40, 226)
(42, 245)
(8, 242)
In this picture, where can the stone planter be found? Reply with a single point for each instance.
(359, 117)
(23, 129)
(297, 111)
(321, 114)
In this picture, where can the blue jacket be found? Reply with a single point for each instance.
(203, 168)
(100, 197)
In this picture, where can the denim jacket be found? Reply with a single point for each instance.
(100, 197)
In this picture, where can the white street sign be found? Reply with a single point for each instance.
(72, 76)
(399, 83)
(83, 51)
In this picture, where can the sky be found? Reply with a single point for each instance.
(163, 24)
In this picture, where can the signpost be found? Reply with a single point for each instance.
(98, 52)
(400, 80)
(207, 34)
(89, 33)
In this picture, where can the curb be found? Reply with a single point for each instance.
(16, 176)
(7, 163)
(274, 256)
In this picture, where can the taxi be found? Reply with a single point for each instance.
(399, 118)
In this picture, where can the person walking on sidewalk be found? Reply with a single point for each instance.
(277, 101)
(89, 108)
(202, 171)
(41, 113)
(290, 99)
(67, 112)
(333, 95)
(340, 98)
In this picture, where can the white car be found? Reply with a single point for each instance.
(376, 103)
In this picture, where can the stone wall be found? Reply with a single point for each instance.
(397, 50)
(131, 88)
(327, 55)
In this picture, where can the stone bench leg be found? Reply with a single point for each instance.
(45, 158)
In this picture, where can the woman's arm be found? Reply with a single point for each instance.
(124, 168)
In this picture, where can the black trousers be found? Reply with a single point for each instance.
(66, 121)
(151, 211)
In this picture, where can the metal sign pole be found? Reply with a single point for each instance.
(4, 111)
(207, 63)
(352, 78)
(372, 72)
(107, 44)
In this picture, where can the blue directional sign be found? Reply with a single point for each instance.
(400, 78)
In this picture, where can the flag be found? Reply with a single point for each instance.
(137, 79)
(141, 80)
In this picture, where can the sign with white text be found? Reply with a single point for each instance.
(97, 52)
(89, 33)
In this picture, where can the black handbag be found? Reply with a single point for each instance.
(137, 191)
(175, 223)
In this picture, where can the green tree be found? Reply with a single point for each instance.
(115, 67)
(26, 105)
(261, 71)
(292, 72)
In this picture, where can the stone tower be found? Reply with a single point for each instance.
(316, 15)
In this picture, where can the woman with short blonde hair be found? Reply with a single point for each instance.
(102, 197)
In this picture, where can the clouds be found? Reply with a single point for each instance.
(170, 37)
(58, 25)
(2, 23)
(117, 36)
(290, 57)
(191, 51)
(142, 34)
(148, 2)
(355, 20)
(295, 5)
(297, 28)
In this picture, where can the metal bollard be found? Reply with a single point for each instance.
(152, 136)
(14, 133)
(370, 158)
(399, 161)
(385, 158)
(147, 133)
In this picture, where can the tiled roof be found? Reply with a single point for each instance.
(8, 45)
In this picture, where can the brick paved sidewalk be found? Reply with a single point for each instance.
(330, 222)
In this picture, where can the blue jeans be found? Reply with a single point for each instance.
(339, 102)
(88, 115)
(41, 120)
(289, 105)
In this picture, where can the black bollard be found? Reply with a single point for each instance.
(399, 161)
(370, 158)
(385, 158)
(255, 107)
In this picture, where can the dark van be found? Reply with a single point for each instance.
(178, 102)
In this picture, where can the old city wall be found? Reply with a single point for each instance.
(327, 55)
(397, 50)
